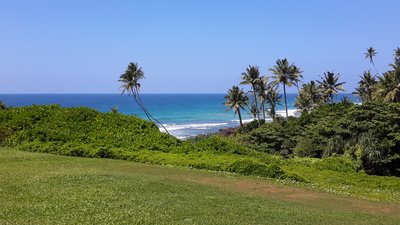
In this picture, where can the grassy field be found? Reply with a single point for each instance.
(47, 189)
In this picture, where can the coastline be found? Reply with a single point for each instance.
(187, 130)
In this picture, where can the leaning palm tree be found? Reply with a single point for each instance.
(370, 54)
(130, 85)
(273, 99)
(236, 99)
(366, 86)
(252, 77)
(283, 74)
(330, 85)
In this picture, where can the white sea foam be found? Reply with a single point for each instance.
(195, 126)
(291, 112)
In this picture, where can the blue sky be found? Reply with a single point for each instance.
(186, 46)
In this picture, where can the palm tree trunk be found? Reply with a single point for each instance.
(331, 98)
(263, 109)
(240, 118)
(138, 103)
(273, 113)
(255, 101)
(375, 67)
(148, 113)
(284, 93)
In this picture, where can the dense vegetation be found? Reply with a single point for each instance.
(88, 133)
(368, 134)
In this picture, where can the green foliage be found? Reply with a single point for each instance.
(85, 132)
(369, 133)
(251, 167)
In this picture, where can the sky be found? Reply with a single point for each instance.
(187, 46)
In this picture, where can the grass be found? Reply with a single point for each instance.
(40, 188)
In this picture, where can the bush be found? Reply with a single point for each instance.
(250, 167)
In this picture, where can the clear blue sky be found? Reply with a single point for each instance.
(198, 46)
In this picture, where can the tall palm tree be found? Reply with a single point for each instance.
(366, 86)
(262, 89)
(283, 74)
(236, 99)
(370, 54)
(252, 77)
(273, 99)
(330, 85)
(130, 85)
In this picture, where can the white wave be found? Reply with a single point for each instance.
(243, 120)
(291, 112)
(196, 126)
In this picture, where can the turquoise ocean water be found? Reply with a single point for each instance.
(184, 115)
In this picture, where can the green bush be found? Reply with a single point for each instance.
(250, 167)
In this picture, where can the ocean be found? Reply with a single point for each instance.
(184, 115)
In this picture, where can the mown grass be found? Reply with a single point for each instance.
(48, 189)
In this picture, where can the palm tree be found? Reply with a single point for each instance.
(397, 53)
(389, 86)
(304, 102)
(262, 89)
(236, 100)
(130, 84)
(283, 74)
(330, 85)
(309, 97)
(370, 54)
(366, 86)
(253, 110)
(252, 77)
(297, 76)
(273, 98)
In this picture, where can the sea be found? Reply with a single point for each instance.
(184, 115)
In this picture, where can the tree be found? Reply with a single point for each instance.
(397, 53)
(284, 74)
(252, 77)
(370, 54)
(273, 98)
(309, 97)
(236, 100)
(330, 85)
(297, 77)
(253, 111)
(366, 86)
(389, 86)
(262, 91)
(130, 84)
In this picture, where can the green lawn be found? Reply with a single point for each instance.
(48, 189)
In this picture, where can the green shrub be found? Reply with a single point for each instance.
(250, 167)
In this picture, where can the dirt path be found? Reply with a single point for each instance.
(305, 196)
